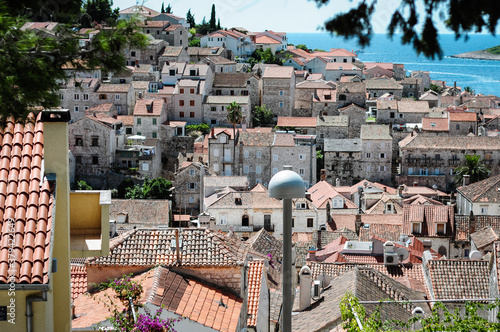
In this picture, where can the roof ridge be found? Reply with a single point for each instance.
(486, 188)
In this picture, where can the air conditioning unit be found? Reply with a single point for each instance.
(391, 259)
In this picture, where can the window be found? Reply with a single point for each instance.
(367, 168)
(484, 210)
(139, 133)
(78, 160)
(275, 157)
(382, 155)
(103, 96)
(281, 105)
(259, 154)
(410, 170)
(345, 60)
(381, 168)
(138, 121)
(191, 103)
(213, 109)
(244, 92)
(192, 185)
(76, 96)
(213, 121)
(246, 154)
(145, 167)
(258, 169)
(302, 157)
(85, 108)
(154, 121)
(218, 92)
(181, 103)
(231, 92)
(181, 114)
(401, 116)
(416, 227)
(171, 72)
(436, 171)
(61, 96)
(223, 219)
(392, 115)
(191, 91)
(310, 222)
(191, 114)
(191, 199)
(275, 170)
(119, 109)
(128, 131)
(95, 160)
(181, 91)
(85, 96)
(293, 222)
(246, 169)
(458, 126)
(424, 171)
(154, 134)
(77, 109)
(78, 141)
(302, 171)
(281, 92)
(441, 228)
(133, 52)
(117, 97)
(94, 141)
(223, 138)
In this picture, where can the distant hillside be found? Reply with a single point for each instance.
(492, 53)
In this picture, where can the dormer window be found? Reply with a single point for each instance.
(416, 227)
(192, 72)
(171, 72)
(149, 108)
(441, 228)
(389, 208)
(223, 139)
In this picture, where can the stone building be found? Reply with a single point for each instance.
(401, 111)
(255, 156)
(149, 114)
(188, 99)
(78, 95)
(142, 155)
(172, 72)
(479, 198)
(412, 87)
(331, 127)
(313, 98)
(342, 158)
(430, 160)
(220, 64)
(121, 95)
(463, 123)
(204, 54)
(173, 54)
(149, 55)
(376, 147)
(377, 87)
(357, 118)
(221, 151)
(351, 93)
(215, 109)
(278, 89)
(93, 140)
(335, 70)
(237, 84)
(176, 35)
(189, 187)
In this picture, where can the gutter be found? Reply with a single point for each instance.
(29, 308)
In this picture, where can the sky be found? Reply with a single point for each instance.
(276, 15)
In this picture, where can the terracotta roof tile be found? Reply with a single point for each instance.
(435, 124)
(485, 237)
(463, 116)
(148, 107)
(464, 226)
(255, 271)
(28, 200)
(429, 216)
(78, 280)
(485, 191)
(141, 211)
(301, 122)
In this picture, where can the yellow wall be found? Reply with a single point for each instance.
(56, 161)
(43, 319)
(85, 210)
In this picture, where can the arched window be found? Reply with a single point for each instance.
(244, 220)
(442, 251)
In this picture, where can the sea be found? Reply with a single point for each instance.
(483, 76)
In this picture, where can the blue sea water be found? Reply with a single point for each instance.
(482, 75)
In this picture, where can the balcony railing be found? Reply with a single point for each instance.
(438, 161)
(411, 161)
(424, 161)
(454, 161)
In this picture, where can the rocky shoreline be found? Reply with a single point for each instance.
(477, 55)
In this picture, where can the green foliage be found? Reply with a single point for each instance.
(462, 319)
(460, 16)
(212, 24)
(157, 188)
(194, 42)
(190, 20)
(474, 168)
(469, 89)
(204, 128)
(263, 116)
(493, 50)
(234, 115)
(168, 10)
(318, 50)
(162, 8)
(302, 47)
(66, 11)
(203, 28)
(82, 185)
(123, 187)
(32, 62)
(266, 56)
(436, 88)
(100, 11)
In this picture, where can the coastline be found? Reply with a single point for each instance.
(477, 55)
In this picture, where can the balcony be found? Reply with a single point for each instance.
(89, 223)
(411, 161)
(437, 161)
(488, 162)
(454, 162)
(424, 161)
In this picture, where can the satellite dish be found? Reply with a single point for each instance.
(475, 255)
(403, 253)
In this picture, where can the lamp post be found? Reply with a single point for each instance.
(287, 185)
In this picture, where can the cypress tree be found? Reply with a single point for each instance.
(218, 24)
(213, 27)
(162, 7)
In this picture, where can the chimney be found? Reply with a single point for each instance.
(337, 182)
(308, 195)
(466, 180)
(323, 175)
(427, 244)
(243, 125)
(212, 132)
(385, 189)
(415, 183)
(305, 288)
(400, 191)
(312, 254)
(358, 223)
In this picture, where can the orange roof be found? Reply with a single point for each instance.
(148, 107)
(127, 120)
(323, 191)
(78, 280)
(435, 124)
(463, 116)
(27, 200)
(255, 271)
(292, 121)
(266, 40)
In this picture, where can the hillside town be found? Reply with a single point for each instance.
(388, 211)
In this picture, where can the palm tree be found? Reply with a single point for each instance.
(234, 117)
(474, 168)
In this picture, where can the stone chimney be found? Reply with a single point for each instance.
(466, 180)
(212, 133)
(308, 195)
(427, 244)
(323, 174)
(337, 182)
(400, 191)
(311, 256)
(305, 288)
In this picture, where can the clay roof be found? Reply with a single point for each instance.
(382, 83)
(141, 107)
(172, 51)
(263, 39)
(104, 108)
(26, 203)
(153, 24)
(278, 72)
(226, 181)
(464, 226)
(127, 120)
(322, 192)
(219, 60)
(387, 104)
(463, 116)
(485, 191)
(342, 66)
(385, 231)
(284, 139)
(450, 142)
(255, 272)
(485, 237)
(352, 87)
(256, 139)
(385, 65)
(459, 279)
(118, 88)
(141, 211)
(247, 200)
(313, 84)
(412, 106)
(301, 122)
(173, 27)
(420, 200)
(78, 280)
(435, 124)
(376, 132)
(334, 52)
(429, 216)
(266, 244)
(198, 248)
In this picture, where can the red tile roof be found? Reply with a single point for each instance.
(463, 116)
(301, 122)
(26, 199)
(435, 124)
(78, 280)
(485, 191)
(429, 216)
(155, 107)
(255, 272)
(265, 40)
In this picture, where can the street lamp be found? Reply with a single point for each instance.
(287, 185)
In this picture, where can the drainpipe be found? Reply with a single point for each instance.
(29, 308)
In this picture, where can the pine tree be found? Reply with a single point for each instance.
(213, 27)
